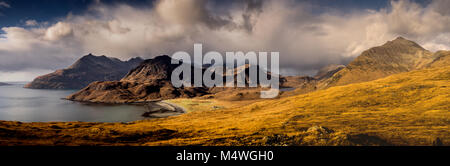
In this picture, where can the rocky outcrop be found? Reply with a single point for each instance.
(84, 71)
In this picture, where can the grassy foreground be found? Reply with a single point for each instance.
(405, 109)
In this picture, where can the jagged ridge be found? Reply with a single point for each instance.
(87, 69)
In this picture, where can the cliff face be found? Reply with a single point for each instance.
(84, 71)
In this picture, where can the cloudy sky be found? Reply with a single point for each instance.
(37, 37)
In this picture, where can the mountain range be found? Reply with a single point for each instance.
(110, 80)
(84, 71)
(151, 80)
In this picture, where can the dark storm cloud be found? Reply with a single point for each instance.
(252, 10)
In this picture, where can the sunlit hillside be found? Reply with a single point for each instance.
(405, 109)
(396, 56)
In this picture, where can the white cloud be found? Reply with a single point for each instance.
(305, 39)
(31, 23)
(58, 31)
(4, 5)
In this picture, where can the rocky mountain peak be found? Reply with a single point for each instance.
(162, 58)
(85, 70)
(158, 68)
(135, 59)
(401, 42)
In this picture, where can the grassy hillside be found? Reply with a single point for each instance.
(405, 109)
(442, 59)
(397, 56)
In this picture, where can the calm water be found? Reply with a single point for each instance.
(30, 105)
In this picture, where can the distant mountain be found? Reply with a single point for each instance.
(328, 71)
(305, 84)
(4, 84)
(399, 55)
(84, 71)
(236, 93)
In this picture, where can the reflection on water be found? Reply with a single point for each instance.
(31, 105)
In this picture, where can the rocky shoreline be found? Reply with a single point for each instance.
(162, 109)
(155, 108)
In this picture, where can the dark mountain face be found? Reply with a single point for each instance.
(159, 68)
(84, 71)
(3, 84)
